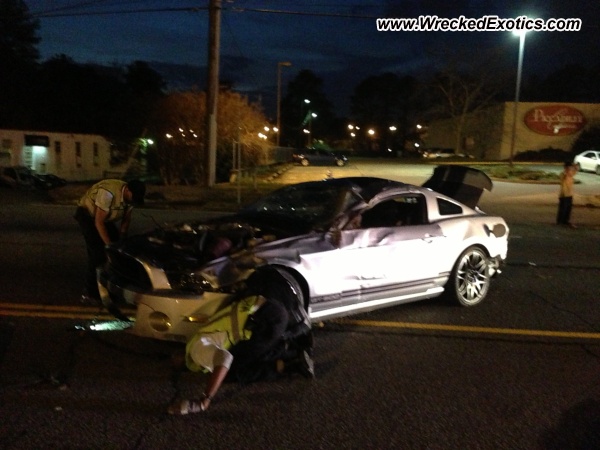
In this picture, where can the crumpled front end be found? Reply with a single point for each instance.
(177, 277)
(161, 313)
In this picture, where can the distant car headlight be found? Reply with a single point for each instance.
(190, 282)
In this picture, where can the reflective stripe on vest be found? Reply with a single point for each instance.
(118, 207)
(232, 319)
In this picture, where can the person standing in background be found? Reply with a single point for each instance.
(565, 195)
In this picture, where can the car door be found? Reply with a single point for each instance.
(392, 251)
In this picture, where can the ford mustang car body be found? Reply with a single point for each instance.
(341, 246)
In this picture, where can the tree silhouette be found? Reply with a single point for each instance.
(295, 111)
(18, 58)
(177, 126)
(464, 93)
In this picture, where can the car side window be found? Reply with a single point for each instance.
(398, 211)
(447, 208)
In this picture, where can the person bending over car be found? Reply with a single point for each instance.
(245, 341)
(99, 209)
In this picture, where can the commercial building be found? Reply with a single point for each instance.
(74, 157)
(493, 133)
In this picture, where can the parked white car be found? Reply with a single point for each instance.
(339, 246)
(588, 161)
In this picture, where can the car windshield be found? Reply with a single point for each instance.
(315, 204)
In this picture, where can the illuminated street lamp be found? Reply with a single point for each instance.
(351, 131)
(279, 66)
(371, 142)
(303, 120)
(521, 34)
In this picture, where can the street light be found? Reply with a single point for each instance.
(279, 66)
(371, 143)
(521, 34)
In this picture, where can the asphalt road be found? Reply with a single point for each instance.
(520, 371)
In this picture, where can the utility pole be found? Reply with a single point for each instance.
(212, 91)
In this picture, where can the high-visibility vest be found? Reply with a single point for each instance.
(118, 206)
(231, 320)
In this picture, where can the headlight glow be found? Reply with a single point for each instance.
(159, 321)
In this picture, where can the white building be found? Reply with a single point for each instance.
(74, 157)
(493, 134)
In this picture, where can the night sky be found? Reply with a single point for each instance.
(336, 39)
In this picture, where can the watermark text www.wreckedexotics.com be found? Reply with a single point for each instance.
(485, 23)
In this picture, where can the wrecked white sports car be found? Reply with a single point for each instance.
(341, 246)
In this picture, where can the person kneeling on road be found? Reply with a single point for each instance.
(245, 341)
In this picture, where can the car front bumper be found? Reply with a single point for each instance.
(164, 315)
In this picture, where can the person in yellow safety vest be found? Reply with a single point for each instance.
(105, 203)
(243, 339)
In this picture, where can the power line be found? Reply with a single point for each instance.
(238, 48)
(74, 6)
(114, 12)
(85, 4)
(304, 13)
(53, 13)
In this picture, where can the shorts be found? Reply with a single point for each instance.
(209, 351)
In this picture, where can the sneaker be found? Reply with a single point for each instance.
(307, 365)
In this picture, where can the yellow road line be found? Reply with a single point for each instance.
(95, 312)
(49, 315)
(24, 306)
(57, 311)
(470, 329)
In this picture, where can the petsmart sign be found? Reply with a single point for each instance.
(554, 120)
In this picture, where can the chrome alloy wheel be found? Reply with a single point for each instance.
(471, 277)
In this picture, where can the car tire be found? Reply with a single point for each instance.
(305, 162)
(470, 279)
(278, 284)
